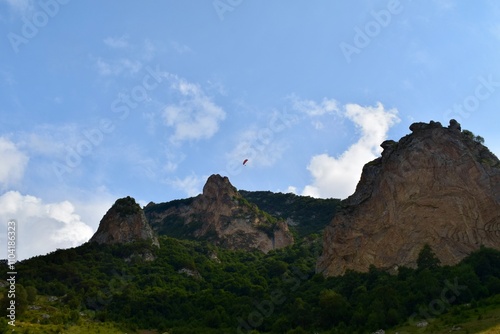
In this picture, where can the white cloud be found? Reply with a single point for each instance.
(144, 50)
(312, 108)
(49, 140)
(93, 204)
(195, 116)
(13, 163)
(132, 66)
(316, 111)
(318, 125)
(173, 159)
(338, 177)
(41, 227)
(148, 50)
(20, 5)
(445, 4)
(117, 43)
(103, 67)
(118, 67)
(191, 184)
(74, 230)
(180, 48)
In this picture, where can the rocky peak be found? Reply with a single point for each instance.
(218, 196)
(221, 215)
(438, 186)
(217, 186)
(123, 223)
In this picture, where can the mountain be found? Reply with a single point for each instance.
(124, 222)
(438, 186)
(228, 262)
(220, 215)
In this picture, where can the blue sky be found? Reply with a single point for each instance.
(101, 100)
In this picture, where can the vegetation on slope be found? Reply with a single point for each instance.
(195, 287)
(307, 215)
(172, 225)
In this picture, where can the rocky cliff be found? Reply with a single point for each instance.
(220, 214)
(123, 223)
(438, 185)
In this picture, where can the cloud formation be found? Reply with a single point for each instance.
(195, 116)
(13, 163)
(20, 5)
(312, 108)
(41, 227)
(117, 67)
(338, 176)
(191, 184)
(117, 43)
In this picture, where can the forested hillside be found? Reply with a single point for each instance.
(195, 287)
(305, 214)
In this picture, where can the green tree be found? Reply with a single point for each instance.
(281, 325)
(31, 292)
(298, 330)
(334, 308)
(376, 320)
(392, 318)
(213, 318)
(276, 268)
(468, 134)
(427, 259)
(4, 327)
(426, 285)
(493, 285)
(74, 316)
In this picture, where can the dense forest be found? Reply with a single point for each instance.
(306, 215)
(189, 286)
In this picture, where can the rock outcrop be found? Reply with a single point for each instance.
(221, 215)
(123, 223)
(438, 186)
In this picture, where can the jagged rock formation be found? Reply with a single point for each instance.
(125, 222)
(220, 214)
(437, 185)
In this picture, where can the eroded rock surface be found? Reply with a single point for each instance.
(123, 223)
(221, 215)
(438, 185)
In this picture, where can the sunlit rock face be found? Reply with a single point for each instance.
(438, 185)
(222, 216)
(123, 223)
